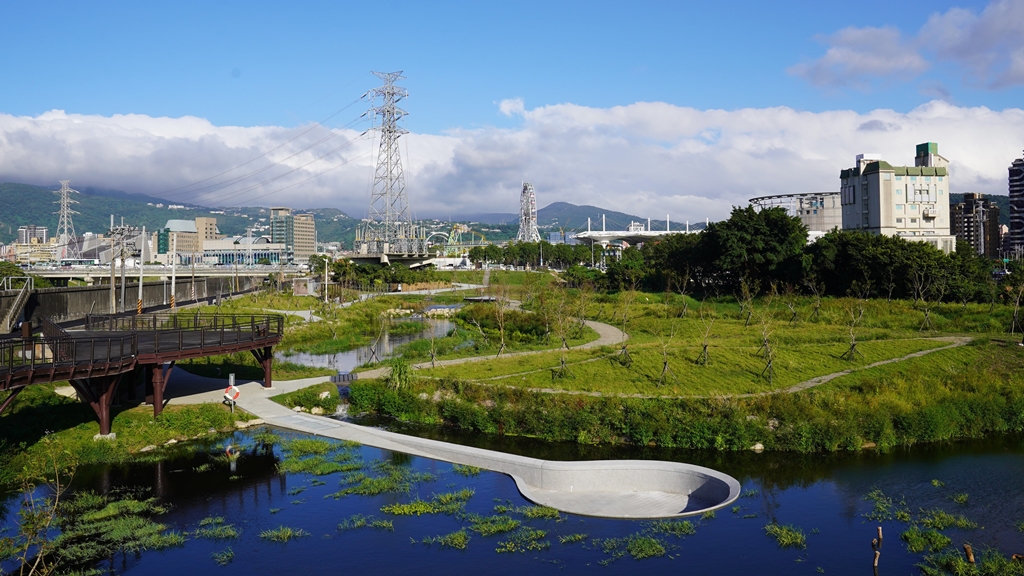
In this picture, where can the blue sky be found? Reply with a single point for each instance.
(264, 63)
(647, 107)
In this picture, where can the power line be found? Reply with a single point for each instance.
(297, 136)
(235, 180)
(235, 193)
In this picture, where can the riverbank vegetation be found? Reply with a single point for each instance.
(39, 414)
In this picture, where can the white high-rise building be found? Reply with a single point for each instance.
(907, 201)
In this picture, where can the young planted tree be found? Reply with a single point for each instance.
(626, 300)
(937, 285)
(816, 291)
(746, 301)
(767, 349)
(563, 322)
(705, 357)
(666, 340)
(856, 313)
(1018, 297)
(790, 299)
(584, 299)
(681, 285)
(380, 322)
(502, 304)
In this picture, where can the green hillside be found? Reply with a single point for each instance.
(26, 204)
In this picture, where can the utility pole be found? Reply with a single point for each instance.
(142, 259)
(174, 262)
(113, 270)
(124, 262)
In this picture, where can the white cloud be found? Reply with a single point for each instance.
(512, 107)
(856, 55)
(987, 47)
(647, 159)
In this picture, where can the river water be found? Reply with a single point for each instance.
(824, 495)
(384, 348)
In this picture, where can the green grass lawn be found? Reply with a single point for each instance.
(733, 370)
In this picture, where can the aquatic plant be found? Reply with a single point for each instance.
(673, 527)
(214, 528)
(466, 470)
(490, 525)
(524, 539)
(787, 536)
(360, 521)
(308, 446)
(295, 491)
(960, 498)
(940, 520)
(539, 512)
(919, 540)
(641, 547)
(283, 534)
(317, 466)
(988, 563)
(938, 483)
(446, 503)
(750, 493)
(709, 515)
(224, 557)
(573, 538)
(458, 540)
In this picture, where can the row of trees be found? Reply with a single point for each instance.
(756, 250)
(532, 253)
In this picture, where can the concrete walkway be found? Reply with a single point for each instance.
(606, 488)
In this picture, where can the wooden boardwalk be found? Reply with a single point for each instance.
(110, 349)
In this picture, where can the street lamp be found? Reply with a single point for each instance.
(235, 259)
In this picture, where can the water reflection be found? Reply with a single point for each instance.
(385, 347)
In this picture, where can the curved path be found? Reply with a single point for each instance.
(606, 336)
(606, 488)
(955, 342)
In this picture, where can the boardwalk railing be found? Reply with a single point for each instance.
(268, 324)
(17, 353)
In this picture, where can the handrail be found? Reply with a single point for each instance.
(50, 328)
(271, 324)
(19, 353)
(19, 302)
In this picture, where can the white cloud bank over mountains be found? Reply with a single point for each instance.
(647, 158)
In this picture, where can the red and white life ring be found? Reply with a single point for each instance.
(231, 393)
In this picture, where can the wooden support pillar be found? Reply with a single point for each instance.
(265, 357)
(10, 398)
(159, 377)
(156, 377)
(99, 393)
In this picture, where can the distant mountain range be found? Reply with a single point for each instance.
(573, 217)
(25, 204)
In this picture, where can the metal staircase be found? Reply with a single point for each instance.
(19, 302)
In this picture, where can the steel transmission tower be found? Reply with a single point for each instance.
(67, 246)
(389, 230)
(528, 215)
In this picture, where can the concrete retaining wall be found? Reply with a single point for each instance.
(71, 304)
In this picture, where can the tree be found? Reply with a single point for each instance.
(500, 292)
(763, 246)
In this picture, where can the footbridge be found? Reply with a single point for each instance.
(111, 351)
